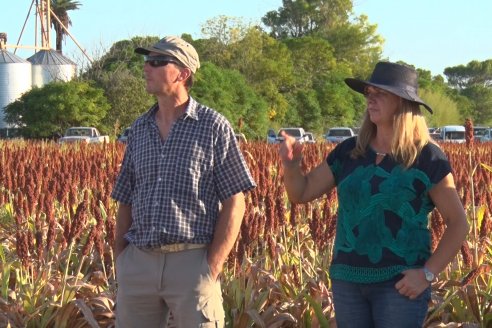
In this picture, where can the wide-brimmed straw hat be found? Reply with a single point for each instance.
(398, 79)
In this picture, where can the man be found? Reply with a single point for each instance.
(181, 203)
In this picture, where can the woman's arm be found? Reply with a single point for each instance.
(447, 201)
(303, 188)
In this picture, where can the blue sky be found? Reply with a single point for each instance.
(430, 34)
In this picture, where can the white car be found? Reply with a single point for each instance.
(271, 136)
(83, 134)
(310, 137)
(298, 133)
(339, 134)
(453, 133)
(485, 136)
(479, 131)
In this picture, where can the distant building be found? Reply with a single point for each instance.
(49, 66)
(15, 79)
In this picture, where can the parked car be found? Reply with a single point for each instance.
(297, 133)
(271, 136)
(310, 137)
(83, 134)
(453, 133)
(10, 133)
(436, 136)
(478, 131)
(485, 136)
(124, 136)
(339, 134)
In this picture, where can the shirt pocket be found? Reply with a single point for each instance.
(191, 170)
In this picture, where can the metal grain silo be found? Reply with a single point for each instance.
(49, 65)
(15, 79)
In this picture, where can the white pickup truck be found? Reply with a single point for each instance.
(83, 134)
(453, 133)
(298, 133)
(485, 136)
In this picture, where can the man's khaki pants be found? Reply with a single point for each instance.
(153, 283)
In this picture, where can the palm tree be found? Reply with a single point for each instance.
(60, 8)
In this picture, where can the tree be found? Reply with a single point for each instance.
(481, 109)
(259, 57)
(264, 62)
(224, 29)
(44, 112)
(321, 97)
(297, 18)
(120, 56)
(228, 92)
(267, 66)
(474, 73)
(429, 82)
(340, 105)
(308, 110)
(119, 73)
(473, 81)
(312, 58)
(445, 109)
(60, 8)
(127, 97)
(353, 39)
(219, 33)
(356, 44)
(448, 106)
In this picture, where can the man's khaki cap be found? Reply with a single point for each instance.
(177, 48)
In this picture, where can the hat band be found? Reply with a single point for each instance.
(405, 87)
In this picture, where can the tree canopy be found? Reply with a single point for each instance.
(228, 92)
(290, 71)
(474, 73)
(44, 112)
(473, 82)
(298, 18)
(127, 97)
(121, 56)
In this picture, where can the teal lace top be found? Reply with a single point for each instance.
(382, 225)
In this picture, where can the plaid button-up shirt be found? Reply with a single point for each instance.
(175, 186)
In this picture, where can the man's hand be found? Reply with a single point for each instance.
(226, 232)
(215, 269)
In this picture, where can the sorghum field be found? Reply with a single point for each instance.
(57, 225)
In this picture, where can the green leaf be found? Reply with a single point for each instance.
(323, 322)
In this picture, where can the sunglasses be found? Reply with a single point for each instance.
(159, 61)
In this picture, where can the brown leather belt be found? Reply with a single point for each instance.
(172, 248)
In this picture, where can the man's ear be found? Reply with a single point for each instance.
(184, 74)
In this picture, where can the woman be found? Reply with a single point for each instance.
(388, 179)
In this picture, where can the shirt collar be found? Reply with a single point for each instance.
(190, 111)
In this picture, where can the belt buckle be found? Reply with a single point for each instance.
(169, 248)
(172, 248)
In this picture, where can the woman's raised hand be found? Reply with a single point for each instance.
(290, 150)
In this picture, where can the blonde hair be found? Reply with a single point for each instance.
(411, 134)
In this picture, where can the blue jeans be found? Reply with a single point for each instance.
(377, 305)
